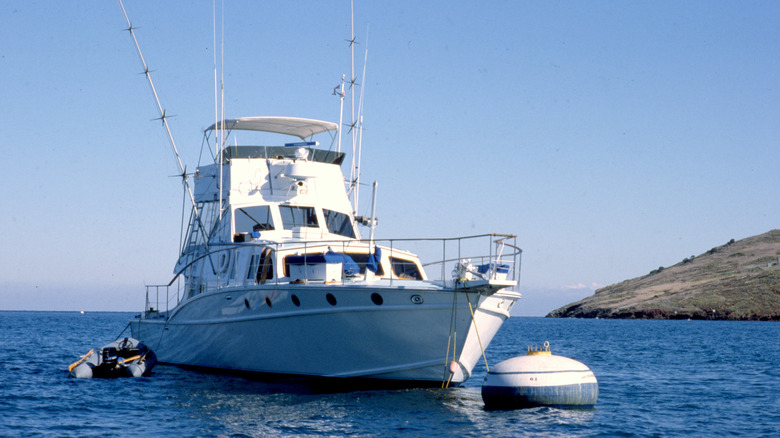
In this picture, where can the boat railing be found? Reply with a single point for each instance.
(442, 260)
(154, 304)
(446, 260)
(466, 258)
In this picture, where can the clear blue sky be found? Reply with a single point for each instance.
(613, 137)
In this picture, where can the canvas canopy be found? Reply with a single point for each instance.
(301, 128)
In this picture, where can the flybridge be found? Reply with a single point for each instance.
(251, 183)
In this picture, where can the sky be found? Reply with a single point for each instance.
(612, 137)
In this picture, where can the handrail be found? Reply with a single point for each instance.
(491, 264)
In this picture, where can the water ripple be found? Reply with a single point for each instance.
(656, 378)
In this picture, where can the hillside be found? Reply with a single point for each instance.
(739, 281)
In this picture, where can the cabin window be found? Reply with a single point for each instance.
(405, 269)
(256, 218)
(338, 223)
(360, 258)
(294, 216)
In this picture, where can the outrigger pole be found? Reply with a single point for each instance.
(164, 119)
(356, 124)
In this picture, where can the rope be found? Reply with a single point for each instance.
(453, 359)
(454, 335)
(123, 331)
(445, 383)
(162, 332)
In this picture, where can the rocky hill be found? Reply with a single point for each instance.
(739, 281)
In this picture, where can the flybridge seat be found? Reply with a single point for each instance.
(278, 152)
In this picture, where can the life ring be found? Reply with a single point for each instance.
(224, 261)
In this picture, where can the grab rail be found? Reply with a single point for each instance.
(499, 261)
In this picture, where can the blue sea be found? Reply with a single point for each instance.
(656, 378)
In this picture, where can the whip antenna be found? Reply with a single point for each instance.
(356, 181)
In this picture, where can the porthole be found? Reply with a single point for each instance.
(377, 299)
(295, 300)
(331, 299)
(246, 303)
(268, 302)
(417, 299)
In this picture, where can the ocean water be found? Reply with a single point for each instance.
(656, 378)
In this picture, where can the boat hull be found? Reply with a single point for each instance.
(381, 332)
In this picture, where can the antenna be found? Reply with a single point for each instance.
(164, 119)
(339, 91)
(360, 126)
(216, 99)
(219, 138)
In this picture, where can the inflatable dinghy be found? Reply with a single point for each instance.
(126, 357)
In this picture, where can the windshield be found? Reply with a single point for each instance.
(338, 223)
(294, 216)
(257, 218)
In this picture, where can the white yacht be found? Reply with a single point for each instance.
(274, 276)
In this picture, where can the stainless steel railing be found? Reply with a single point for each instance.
(442, 260)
